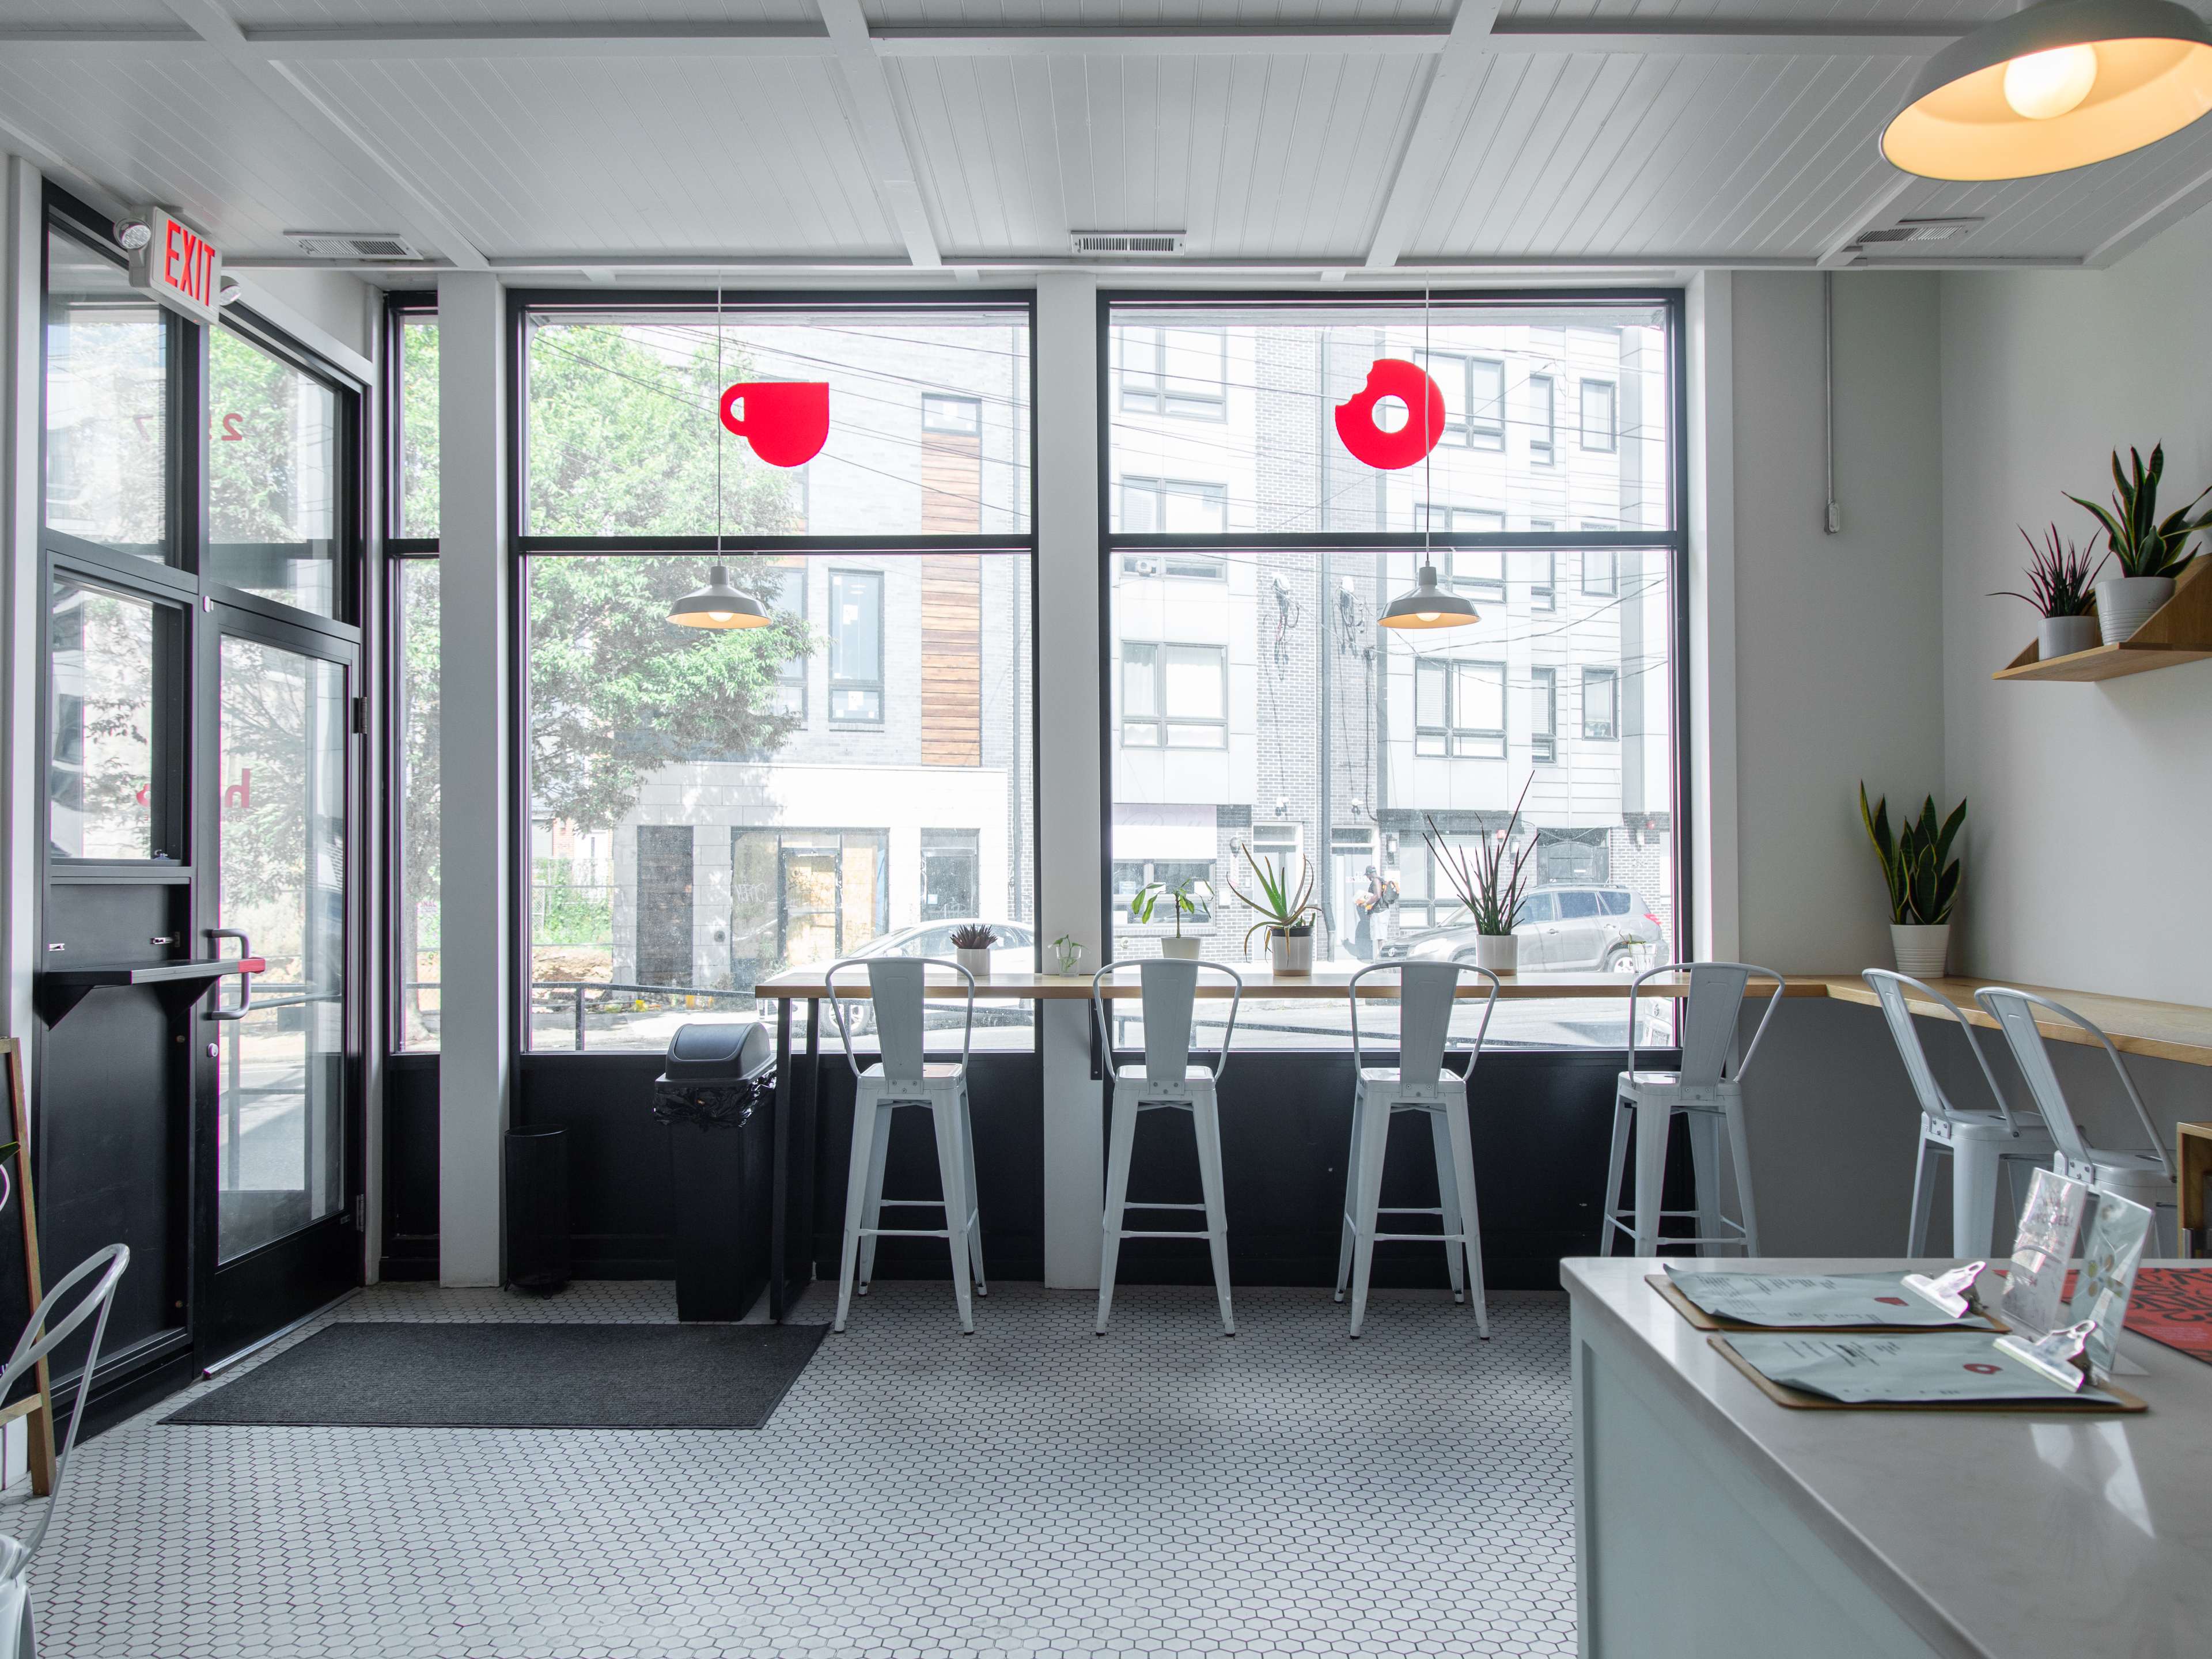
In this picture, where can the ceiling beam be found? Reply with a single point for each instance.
(1700, 37)
(875, 120)
(1413, 183)
(424, 220)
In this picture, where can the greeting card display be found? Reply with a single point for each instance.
(2035, 1283)
(1811, 1301)
(2110, 1256)
(1932, 1368)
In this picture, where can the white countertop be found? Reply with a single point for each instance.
(1995, 1535)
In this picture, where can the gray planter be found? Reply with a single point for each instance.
(2062, 636)
(2124, 604)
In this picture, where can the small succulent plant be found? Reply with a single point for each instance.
(974, 937)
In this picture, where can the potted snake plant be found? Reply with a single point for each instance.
(971, 947)
(1490, 887)
(2060, 585)
(1285, 912)
(1182, 899)
(1922, 877)
(2151, 551)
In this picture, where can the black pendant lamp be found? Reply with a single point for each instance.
(1428, 605)
(719, 604)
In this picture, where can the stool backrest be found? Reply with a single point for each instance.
(1708, 1017)
(1892, 990)
(1167, 988)
(2014, 1011)
(896, 987)
(1427, 993)
(37, 1341)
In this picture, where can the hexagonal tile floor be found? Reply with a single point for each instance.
(1032, 1489)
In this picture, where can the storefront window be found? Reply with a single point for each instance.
(104, 792)
(273, 442)
(107, 405)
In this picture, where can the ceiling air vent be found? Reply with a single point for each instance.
(1126, 243)
(1920, 230)
(353, 245)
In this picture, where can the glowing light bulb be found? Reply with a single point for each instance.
(2044, 85)
(719, 615)
(1428, 616)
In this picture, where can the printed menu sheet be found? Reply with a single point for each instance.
(1935, 1365)
(1809, 1301)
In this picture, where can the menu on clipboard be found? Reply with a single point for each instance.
(1812, 1300)
(1930, 1368)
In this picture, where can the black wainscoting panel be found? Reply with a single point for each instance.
(1004, 1095)
(410, 1167)
(618, 1186)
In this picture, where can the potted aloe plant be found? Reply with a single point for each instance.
(1285, 912)
(971, 945)
(2151, 551)
(1491, 886)
(1182, 899)
(1923, 878)
(2060, 578)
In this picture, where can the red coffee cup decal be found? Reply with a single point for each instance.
(787, 422)
(1392, 377)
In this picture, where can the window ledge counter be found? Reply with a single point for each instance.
(1710, 1522)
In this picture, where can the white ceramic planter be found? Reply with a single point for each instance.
(1921, 951)
(2126, 603)
(1291, 953)
(2062, 636)
(977, 962)
(1180, 949)
(1500, 952)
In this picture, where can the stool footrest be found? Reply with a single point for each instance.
(903, 1232)
(1130, 1235)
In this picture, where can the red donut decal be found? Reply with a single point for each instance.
(1392, 377)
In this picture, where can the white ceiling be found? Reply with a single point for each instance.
(1371, 135)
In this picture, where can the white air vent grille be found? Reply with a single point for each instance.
(353, 245)
(1920, 230)
(1126, 243)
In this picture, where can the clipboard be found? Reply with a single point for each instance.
(1671, 1293)
(1802, 1399)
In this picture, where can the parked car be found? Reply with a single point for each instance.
(1562, 928)
(1015, 952)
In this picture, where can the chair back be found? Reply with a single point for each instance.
(1167, 988)
(1708, 1017)
(1890, 991)
(37, 1341)
(1427, 991)
(2014, 1009)
(896, 987)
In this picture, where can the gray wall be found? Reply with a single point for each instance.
(2089, 801)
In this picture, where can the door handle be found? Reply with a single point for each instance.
(248, 964)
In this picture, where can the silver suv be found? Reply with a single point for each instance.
(1563, 929)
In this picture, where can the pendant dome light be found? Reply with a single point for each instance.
(719, 604)
(1428, 605)
(2056, 85)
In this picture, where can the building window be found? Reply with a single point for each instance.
(1601, 703)
(783, 587)
(1459, 709)
(1485, 403)
(1173, 507)
(1543, 714)
(1174, 697)
(1543, 571)
(1601, 429)
(1599, 574)
(1542, 420)
(856, 647)
(1182, 372)
(952, 417)
(1133, 876)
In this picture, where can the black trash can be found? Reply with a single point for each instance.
(714, 1097)
(537, 1210)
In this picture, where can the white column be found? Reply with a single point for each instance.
(1069, 856)
(1714, 923)
(21, 242)
(475, 1060)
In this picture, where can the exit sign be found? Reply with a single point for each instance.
(180, 267)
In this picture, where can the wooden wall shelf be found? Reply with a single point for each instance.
(2180, 630)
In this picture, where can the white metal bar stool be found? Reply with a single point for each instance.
(2145, 1177)
(1420, 1082)
(1166, 1081)
(1706, 1091)
(1980, 1143)
(904, 1077)
(17, 1638)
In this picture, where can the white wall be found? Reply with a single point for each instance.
(2089, 802)
(1839, 638)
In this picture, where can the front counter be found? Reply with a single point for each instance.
(1710, 1522)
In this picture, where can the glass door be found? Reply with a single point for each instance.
(279, 1177)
